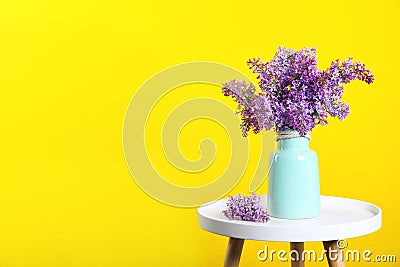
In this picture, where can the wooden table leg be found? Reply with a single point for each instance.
(299, 247)
(233, 252)
(333, 254)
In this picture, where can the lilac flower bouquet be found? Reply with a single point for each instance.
(295, 94)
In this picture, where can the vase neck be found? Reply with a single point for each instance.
(294, 143)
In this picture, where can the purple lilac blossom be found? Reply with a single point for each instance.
(253, 107)
(245, 208)
(294, 94)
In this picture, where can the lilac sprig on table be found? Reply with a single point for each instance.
(245, 208)
(294, 94)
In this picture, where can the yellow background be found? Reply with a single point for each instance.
(68, 72)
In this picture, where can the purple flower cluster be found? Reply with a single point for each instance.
(245, 208)
(253, 107)
(295, 94)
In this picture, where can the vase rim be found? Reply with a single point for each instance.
(289, 134)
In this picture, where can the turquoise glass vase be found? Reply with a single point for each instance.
(293, 181)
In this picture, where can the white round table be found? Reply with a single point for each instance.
(340, 218)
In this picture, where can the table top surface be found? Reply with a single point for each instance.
(340, 218)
